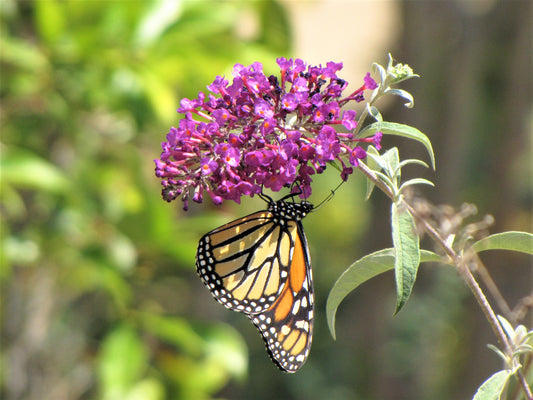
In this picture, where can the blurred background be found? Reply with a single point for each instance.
(100, 298)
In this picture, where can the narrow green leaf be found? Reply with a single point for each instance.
(412, 161)
(387, 181)
(416, 181)
(374, 112)
(512, 240)
(381, 71)
(403, 94)
(507, 327)
(500, 353)
(371, 163)
(493, 387)
(406, 244)
(392, 128)
(398, 170)
(361, 271)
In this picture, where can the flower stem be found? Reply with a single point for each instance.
(461, 263)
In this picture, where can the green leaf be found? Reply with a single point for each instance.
(160, 95)
(23, 54)
(174, 330)
(507, 327)
(406, 244)
(226, 348)
(493, 387)
(372, 163)
(392, 159)
(377, 158)
(147, 389)
(374, 112)
(122, 358)
(512, 240)
(403, 94)
(382, 72)
(416, 181)
(24, 169)
(412, 161)
(50, 20)
(392, 128)
(157, 19)
(361, 271)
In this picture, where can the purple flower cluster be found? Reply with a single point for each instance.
(260, 132)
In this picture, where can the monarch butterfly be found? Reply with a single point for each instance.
(259, 265)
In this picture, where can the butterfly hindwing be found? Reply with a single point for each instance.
(287, 327)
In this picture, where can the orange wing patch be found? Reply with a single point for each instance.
(287, 326)
(298, 268)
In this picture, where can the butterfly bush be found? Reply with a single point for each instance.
(260, 132)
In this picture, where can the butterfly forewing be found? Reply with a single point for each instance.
(245, 262)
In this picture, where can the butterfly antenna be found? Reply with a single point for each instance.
(267, 199)
(328, 197)
(293, 194)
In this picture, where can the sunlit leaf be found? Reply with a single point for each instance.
(407, 252)
(22, 168)
(392, 160)
(161, 96)
(382, 72)
(372, 163)
(19, 250)
(411, 161)
(121, 361)
(374, 112)
(50, 20)
(226, 348)
(493, 387)
(416, 181)
(161, 15)
(392, 128)
(403, 94)
(361, 271)
(174, 330)
(512, 240)
(22, 54)
(147, 389)
(122, 252)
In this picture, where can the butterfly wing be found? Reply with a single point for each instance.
(287, 326)
(245, 263)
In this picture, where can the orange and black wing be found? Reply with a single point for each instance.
(245, 263)
(287, 326)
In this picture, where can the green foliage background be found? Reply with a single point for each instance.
(100, 299)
